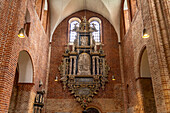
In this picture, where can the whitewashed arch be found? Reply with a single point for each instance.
(74, 19)
(25, 68)
(95, 19)
(144, 65)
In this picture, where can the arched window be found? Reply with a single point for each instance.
(39, 7)
(97, 23)
(45, 16)
(73, 33)
(72, 23)
(27, 23)
(127, 17)
(97, 33)
(129, 10)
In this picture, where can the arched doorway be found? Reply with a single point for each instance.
(93, 110)
(20, 100)
(146, 87)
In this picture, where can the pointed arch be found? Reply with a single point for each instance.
(27, 22)
(144, 64)
(25, 67)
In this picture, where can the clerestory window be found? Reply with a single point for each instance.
(73, 33)
(95, 21)
(97, 33)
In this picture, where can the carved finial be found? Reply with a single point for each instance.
(67, 48)
(84, 19)
(100, 46)
(101, 51)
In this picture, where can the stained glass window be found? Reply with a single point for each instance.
(97, 33)
(73, 33)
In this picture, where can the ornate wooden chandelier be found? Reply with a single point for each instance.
(84, 70)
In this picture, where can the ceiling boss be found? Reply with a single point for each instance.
(84, 70)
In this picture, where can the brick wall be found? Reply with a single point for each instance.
(12, 19)
(133, 8)
(128, 66)
(132, 47)
(156, 19)
(38, 6)
(111, 94)
(148, 95)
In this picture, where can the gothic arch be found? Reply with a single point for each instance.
(138, 61)
(144, 70)
(25, 67)
(146, 95)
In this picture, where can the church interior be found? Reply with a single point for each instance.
(84, 56)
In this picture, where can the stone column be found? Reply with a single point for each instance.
(91, 39)
(101, 66)
(67, 66)
(95, 48)
(64, 68)
(97, 65)
(93, 65)
(74, 69)
(70, 65)
(73, 47)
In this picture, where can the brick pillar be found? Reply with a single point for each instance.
(123, 80)
(160, 41)
(166, 29)
(8, 32)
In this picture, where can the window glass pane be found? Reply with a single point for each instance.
(97, 33)
(73, 33)
(125, 5)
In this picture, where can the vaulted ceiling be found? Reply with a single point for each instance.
(60, 9)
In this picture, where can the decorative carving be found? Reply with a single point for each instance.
(83, 69)
(39, 101)
(84, 41)
(84, 64)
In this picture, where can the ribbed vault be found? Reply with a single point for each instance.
(60, 9)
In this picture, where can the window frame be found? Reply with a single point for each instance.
(27, 22)
(100, 27)
(130, 12)
(69, 27)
